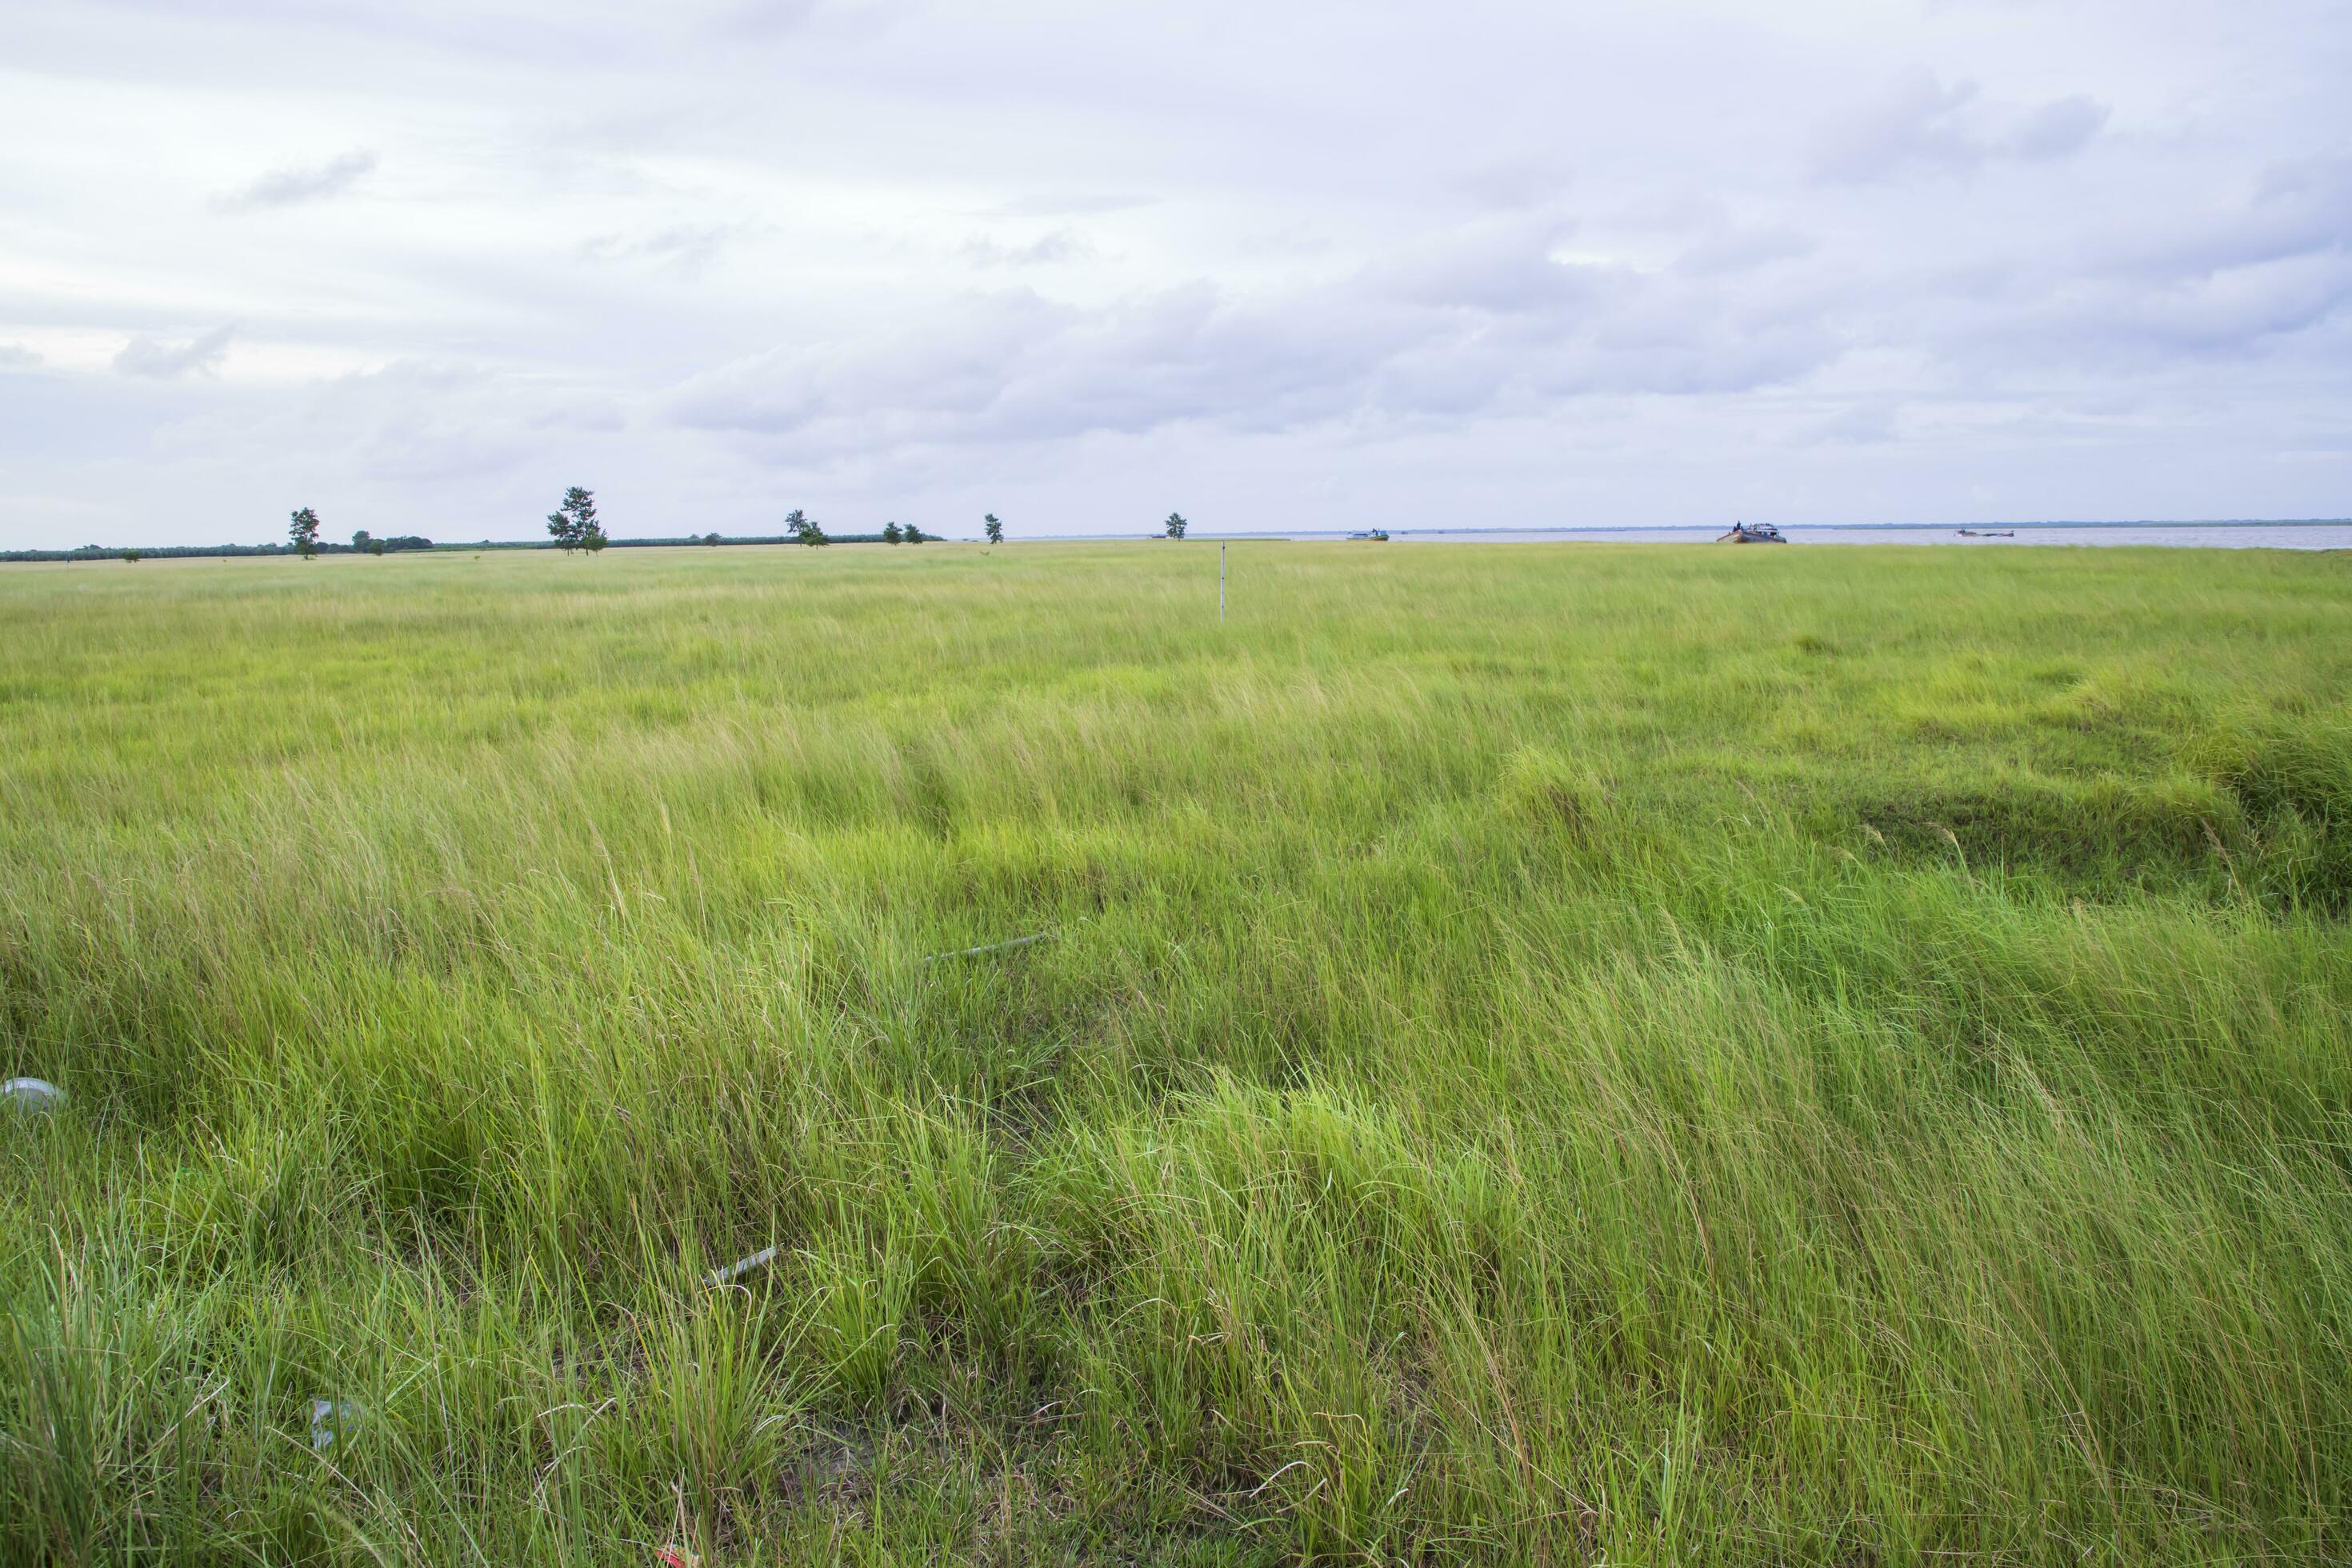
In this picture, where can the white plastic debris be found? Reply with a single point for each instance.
(742, 1266)
(32, 1094)
(330, 1419)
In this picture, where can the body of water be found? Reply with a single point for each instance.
(2198, 535)
(2332, 534)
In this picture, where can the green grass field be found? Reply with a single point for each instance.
(1546, 1052)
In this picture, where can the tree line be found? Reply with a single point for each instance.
(572, 525)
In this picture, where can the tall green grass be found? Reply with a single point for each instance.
(1546, 1055)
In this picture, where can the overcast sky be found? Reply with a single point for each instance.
(1308, 264)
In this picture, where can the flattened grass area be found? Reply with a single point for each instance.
(1682, 1055)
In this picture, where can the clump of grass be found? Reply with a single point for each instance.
(2294, 784)
(1614, 1054)
(1552, 796)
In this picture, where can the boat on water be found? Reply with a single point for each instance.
(1752, 534)
(1987, 533)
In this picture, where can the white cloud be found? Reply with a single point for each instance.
(199, 356)
(297, 186)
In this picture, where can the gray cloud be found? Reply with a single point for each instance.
(1917, 122)
(2126, 324)
(1068, 203)
(681, 248)
(1481, 319)
(1059, 248)
(1505, 267)
(2062, 126)
(2297, 211)
(1526, 179)
(763, 19)
(766, 16)
(414, 424)
(1744, 250)
(1912, 122)
(296, 187)
(16, 357)
(200, 356)
(1871, 423)
(2184, 284)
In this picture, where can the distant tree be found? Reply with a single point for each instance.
(360, 540)
(1176, 525)
(995, 529)
(375, 547)
(712, 540)
(131, 555)
(403, 542)
(304, 529)
(814, 536)
(573, 524)
(890, 533)
(796, 523)
(915, 535)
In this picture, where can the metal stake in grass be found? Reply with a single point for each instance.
(1221, 585)
(991, 947)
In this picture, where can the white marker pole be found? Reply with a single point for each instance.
(1221, 585)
